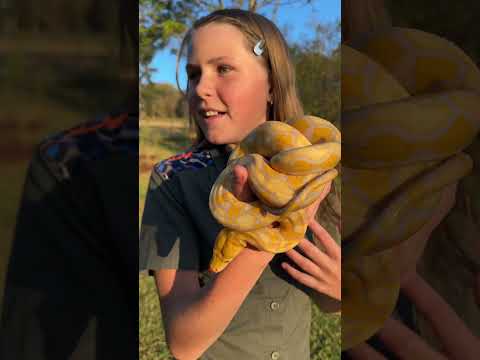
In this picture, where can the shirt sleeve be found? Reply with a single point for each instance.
(63, 298)
(168, 237)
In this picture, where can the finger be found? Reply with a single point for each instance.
(304, 263)
(240, 187)
(314, 253)
(301, 277)
(364, 351)
(330, 245)
(447, 201)
(452, 331)
(404, 343)
(313, 209)
(449, 196)
(325, 191)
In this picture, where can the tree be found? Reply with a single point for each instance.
(317, 68)
(160, 100)
(159, 22)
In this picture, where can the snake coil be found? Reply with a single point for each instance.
(288, 165)
(410, 106)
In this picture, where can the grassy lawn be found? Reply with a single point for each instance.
(158, 140)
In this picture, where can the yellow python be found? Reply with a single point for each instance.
(288, 166)
(410, 105)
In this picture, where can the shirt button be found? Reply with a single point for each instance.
(275, 355)
(274, 305)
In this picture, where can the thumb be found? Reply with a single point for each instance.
(240, 187)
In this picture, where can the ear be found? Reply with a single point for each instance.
(270, 96)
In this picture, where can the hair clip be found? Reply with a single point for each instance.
(258, 49)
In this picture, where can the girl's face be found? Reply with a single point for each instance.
(226, 77)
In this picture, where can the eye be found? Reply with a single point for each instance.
(223, 69)
(192, 75)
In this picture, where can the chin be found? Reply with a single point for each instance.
(216, 140)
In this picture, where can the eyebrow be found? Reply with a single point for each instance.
(210, 61)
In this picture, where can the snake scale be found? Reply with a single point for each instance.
(289, 164)
(410, 107)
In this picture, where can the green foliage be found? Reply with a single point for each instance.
(159, 23)
(318, 83)
(317, 73)
(161, 100)
(325, 335)
(152, 345)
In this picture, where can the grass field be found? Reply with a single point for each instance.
(158, 140)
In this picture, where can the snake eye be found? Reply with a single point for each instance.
(275, 224)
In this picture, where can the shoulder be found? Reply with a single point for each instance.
(65, 151)
(190, 160)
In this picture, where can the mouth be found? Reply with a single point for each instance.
(212, 115)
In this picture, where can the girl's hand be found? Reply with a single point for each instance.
(312, 209)
(242, 191)
(320, 270)
(454, 337)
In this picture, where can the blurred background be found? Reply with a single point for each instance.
(312, 30)
(450, 260)
(61, 63)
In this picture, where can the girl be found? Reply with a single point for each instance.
(239, 75)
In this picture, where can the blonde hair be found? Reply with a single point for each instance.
(281, 72)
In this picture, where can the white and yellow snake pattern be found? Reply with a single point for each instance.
(410, 105)
(288, 166)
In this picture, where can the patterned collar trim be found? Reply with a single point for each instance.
(214, 149)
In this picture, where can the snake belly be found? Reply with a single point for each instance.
(289, 165)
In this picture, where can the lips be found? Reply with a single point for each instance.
(204, 112)
(209, 114)
(209, 119)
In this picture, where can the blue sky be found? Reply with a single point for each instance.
(296, 17)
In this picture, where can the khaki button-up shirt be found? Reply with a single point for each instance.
(178, 231)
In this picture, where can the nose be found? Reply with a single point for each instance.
(205, 86)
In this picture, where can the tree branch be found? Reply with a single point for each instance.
(278, 3)
(276, 6)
